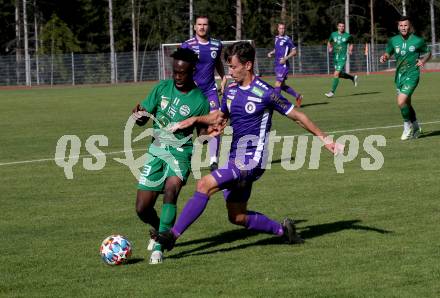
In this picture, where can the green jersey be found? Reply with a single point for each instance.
(168, 106)
(340, 44)
(406, 52)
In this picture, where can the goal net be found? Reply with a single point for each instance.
(165, 61)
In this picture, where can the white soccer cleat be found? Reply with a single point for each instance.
(156, 257)
(407, 131)
(329, 94)
(151, 244)
(355, 81)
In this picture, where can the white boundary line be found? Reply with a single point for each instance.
(133, 150)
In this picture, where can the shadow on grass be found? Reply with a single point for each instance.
(308, 232)
(305, 105)
(134, 261)
(430, 134)
(360, 93)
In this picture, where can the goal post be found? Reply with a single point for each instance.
(166, 49)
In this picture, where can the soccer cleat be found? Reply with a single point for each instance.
(329, 94)
(156, 257)
(417, 131)
(408, 131)
(355, 81)
(166, 239)
(290, 235)
(151, 244)
(213, 167)
(299, 100)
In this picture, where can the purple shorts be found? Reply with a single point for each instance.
(236, 183)
(214, 102)
(281, 72)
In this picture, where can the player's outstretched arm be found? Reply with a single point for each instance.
(140, 115)
(311, 127)
(216, 122)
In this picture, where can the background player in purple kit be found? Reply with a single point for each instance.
(284, 50)
(249, 103)
(209, 51)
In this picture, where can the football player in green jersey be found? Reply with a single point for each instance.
(168, 161)
(411, 53)
(338, 43)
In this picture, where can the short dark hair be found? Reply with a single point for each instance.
(340, 22)
(404, 18)
(201, 17)
(186, 55)
(243, 50)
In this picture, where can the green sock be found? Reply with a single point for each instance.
(405, 111)
(167, 217)
(335, 84)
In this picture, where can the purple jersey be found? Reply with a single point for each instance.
(208, 54)
(283, 46)
(250, 112)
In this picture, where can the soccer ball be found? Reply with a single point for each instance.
(115, 250)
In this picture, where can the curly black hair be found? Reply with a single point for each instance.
(186, 55)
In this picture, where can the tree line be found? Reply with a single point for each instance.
(82, 26)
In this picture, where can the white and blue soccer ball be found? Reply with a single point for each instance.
(115, 250)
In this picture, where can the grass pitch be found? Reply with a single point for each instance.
(368, 233)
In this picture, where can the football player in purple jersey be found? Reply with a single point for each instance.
(209, 51)
(248, 103)
(284, 50)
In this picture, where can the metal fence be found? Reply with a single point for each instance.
(95, 68)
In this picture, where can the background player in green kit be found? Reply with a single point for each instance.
(168, 161)
(338, 43)
(411, 53)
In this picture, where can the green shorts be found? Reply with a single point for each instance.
(406, 84)
(156, 170)
(340, 64)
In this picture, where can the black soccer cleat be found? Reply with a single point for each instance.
(213, 167)
(290, 235)
(166, 239)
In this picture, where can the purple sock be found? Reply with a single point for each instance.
(260, 222)
(213, 147)
(289, 90)
(191, 211)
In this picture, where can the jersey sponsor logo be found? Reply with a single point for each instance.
(172, 111)
(412, 48)
(164, 102)
(255, 99)
(402, 52)
(184, 110)
(213, 48)
(277, 100)
(214, 54)
(257, 91)
(250, 107)
(231, 97)
(261, 84)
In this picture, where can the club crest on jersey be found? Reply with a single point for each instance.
(250, 107)
(412, 48)
(184, 110)
(214, 54)
(257, 91)
(164, 102)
